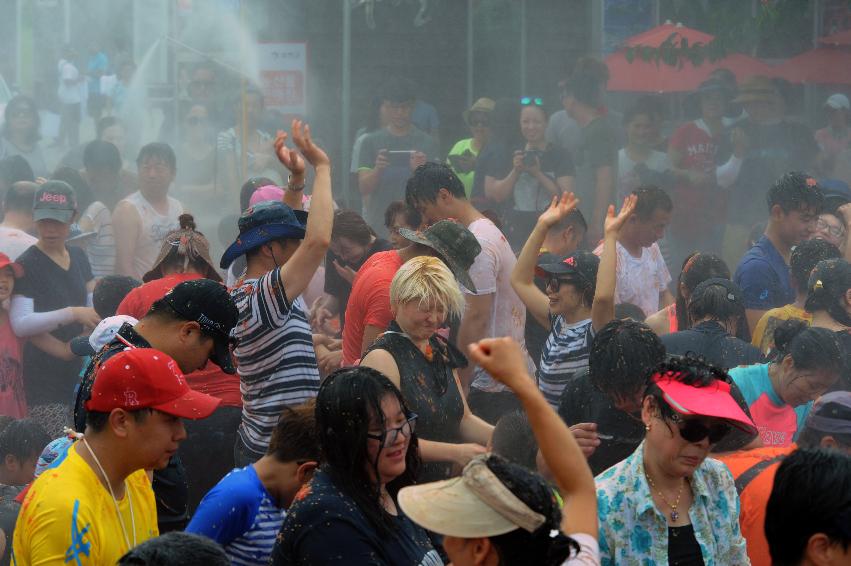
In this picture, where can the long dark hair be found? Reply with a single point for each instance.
(811, 348)
(520, 546)
(697, 267)
(347, 400)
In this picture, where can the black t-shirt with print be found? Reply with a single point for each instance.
(48, 379)
(324, 526)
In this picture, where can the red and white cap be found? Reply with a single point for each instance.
(144, 378)
(713, 401)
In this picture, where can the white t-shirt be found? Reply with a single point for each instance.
(154, 228)
(491, 274)
(628, 179)
(589, 551)
(14, 242)
(70, 89)
(640, 279)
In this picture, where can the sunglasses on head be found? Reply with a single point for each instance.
(529, 101)
(694, 430)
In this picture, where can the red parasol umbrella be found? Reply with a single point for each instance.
(643, 76)
(822, 65)
(838, 39)
(656, 36)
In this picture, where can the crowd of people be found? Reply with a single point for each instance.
(571, 340)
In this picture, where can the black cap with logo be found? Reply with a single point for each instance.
(209, 304)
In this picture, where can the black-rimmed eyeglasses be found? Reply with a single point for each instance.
(388, 437)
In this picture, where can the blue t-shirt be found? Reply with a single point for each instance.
(763, 277)
(239, 514)
(777, 422)
(324, 526)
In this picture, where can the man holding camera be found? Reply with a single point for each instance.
(389, 155)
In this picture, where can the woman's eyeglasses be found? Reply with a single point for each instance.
(389, 436)
(529, 101)
(694, 430)
(835, 231)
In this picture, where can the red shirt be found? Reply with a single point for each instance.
(369, 302)
(699, 150)
(210, 380)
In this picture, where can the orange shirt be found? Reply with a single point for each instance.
(754, 496)
(369, 302)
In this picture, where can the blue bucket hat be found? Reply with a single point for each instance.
(262, 223)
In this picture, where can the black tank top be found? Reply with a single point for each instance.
(429, 390)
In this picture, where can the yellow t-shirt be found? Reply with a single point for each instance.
(468, 177)
(68, 517)
(763, 334)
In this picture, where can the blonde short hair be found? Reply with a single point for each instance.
(427, 279)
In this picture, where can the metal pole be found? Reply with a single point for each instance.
(345, 136)
(19, 28)
(523, 47)
(470, 52)
(67, 14)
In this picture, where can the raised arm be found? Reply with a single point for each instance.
(603, 307)
(126, 224)
(500, 189)
(523, 275)
(297, 272)
(294, 162)
(503, 359)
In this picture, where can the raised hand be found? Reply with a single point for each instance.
(290, 158)
(503, 359)
(613, 223)
(311, 152)
(558, 209)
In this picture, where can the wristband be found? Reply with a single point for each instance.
(292, 187)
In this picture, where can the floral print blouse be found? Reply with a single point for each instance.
(634, 531)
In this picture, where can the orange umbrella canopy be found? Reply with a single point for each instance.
(656, 36)
(822, 65)
(648, 76)
(838, 39)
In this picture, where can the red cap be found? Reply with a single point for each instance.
(712, 401)
(144, 378)
(16, 267)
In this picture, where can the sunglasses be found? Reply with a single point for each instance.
(196, 120)
(694, 430)
(529, 101)
(389, 436)
(555, 283)
(480, 123)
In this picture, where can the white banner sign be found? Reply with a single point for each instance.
(283, 76)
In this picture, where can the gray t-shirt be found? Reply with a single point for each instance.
(391, 185)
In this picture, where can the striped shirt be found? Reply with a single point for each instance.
(275, 357)
(101, 250)
(239, 514)
(565, 354)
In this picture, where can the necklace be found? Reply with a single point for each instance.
(674, 513)
(115, 501)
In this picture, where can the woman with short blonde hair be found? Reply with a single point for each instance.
(423, 364)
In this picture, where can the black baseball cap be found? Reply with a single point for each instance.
(208, 303)
(580, 265)
(55, 200)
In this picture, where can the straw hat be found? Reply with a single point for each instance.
(484, 105)
(756, 89)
